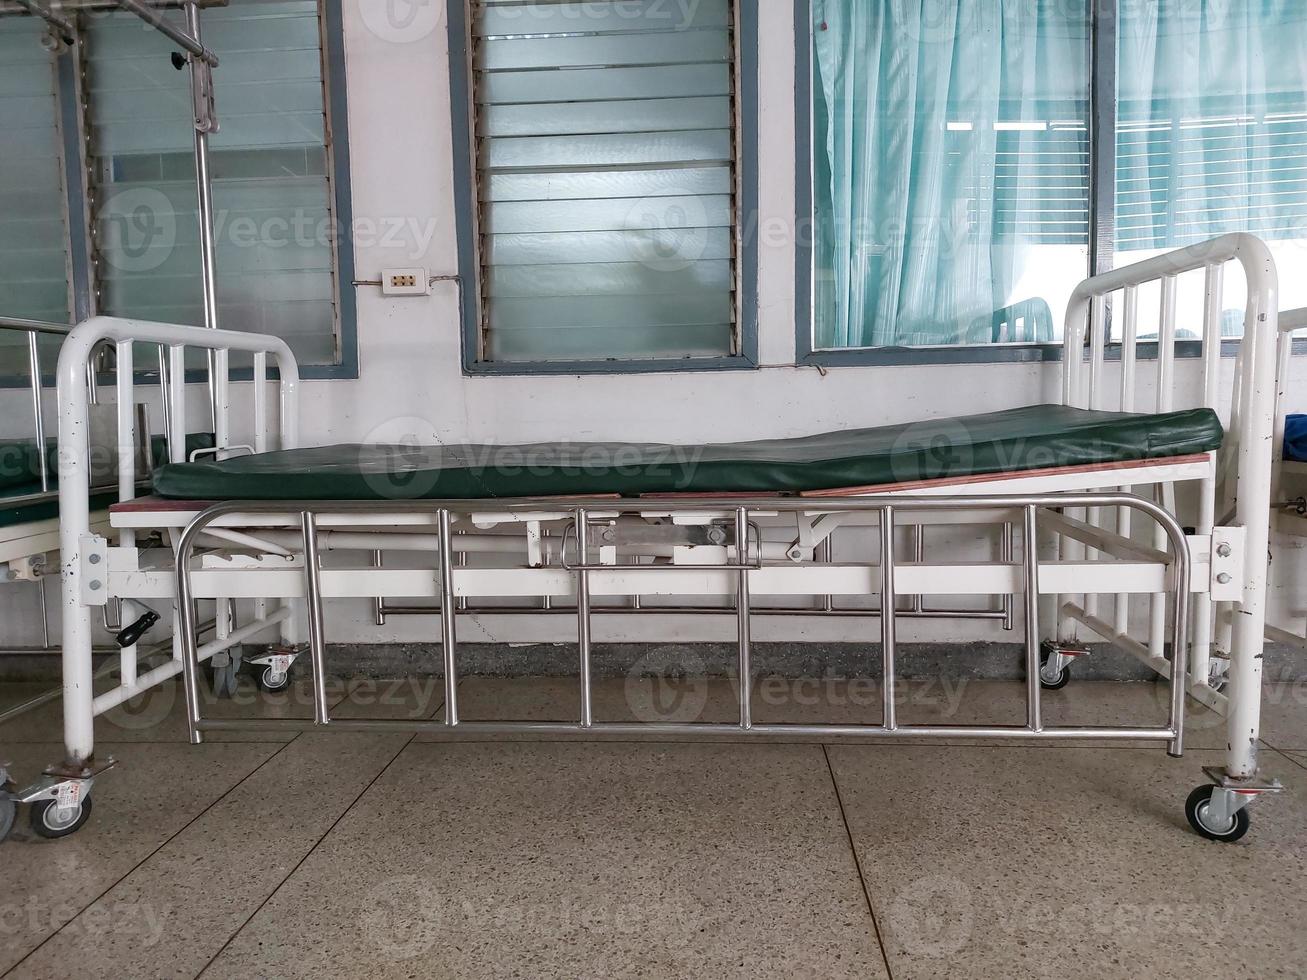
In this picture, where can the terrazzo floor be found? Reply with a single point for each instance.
(385, 855)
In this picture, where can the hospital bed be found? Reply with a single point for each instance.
(585, 531)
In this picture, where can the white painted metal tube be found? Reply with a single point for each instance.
(125, 691)
(74, 399)
(261, 425)
(471, 543)
(1255, 474)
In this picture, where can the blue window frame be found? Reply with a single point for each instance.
(1133, 179)
(600, 234)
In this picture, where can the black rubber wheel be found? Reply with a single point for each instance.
(270, 683)
(224, 678)
(8, 809)
(48, 821)
(1063, 676)
(1195, 808)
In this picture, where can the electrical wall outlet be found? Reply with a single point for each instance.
(405, 282)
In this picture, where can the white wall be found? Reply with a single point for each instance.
(411, 378)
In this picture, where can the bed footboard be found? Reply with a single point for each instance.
(1233, 512)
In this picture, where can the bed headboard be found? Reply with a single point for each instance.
(76, 386)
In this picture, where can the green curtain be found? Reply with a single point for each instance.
(1212, 121)
(950, 139)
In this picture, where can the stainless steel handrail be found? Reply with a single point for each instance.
(305, 514)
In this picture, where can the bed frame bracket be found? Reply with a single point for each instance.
(93, 558)
(1227, 564)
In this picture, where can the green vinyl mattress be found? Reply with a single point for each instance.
(22, 499)
(1037, 437)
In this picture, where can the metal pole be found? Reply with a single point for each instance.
(825, 554)
(919, 556)
(742, 615)
(165, 392)
(208, 261)
(43, 456)
(313, 600)
(448, 617)
(1034, 714)
(185, 641)
(583, 615)
(378, 602)
(888, 604)
(188, 43)
(1007, 554)
(1180, 641)
(66, 28)
(38, 416)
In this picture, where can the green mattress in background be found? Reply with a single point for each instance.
(20, 476)
(1036, 437)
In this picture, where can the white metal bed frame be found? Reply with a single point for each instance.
(272, 551)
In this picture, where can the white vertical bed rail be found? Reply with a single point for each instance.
(1253, 427)
(1213, 296)
(1291, 321)
(83, 590)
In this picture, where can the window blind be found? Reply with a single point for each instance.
(33, 228)
(606, 178)
(1186, 176)
(271, 193)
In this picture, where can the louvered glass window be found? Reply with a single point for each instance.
(33, 232)
(606, 179)
(271, 192)
(1212, 137)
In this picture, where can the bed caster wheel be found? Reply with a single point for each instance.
(1206, 822)
(224, 673)
(1052, 677)
(272, 681)
(8, 805)
(50, 820)
(8, 810)
(272, 672)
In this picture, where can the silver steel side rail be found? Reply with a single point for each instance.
(305, 515)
